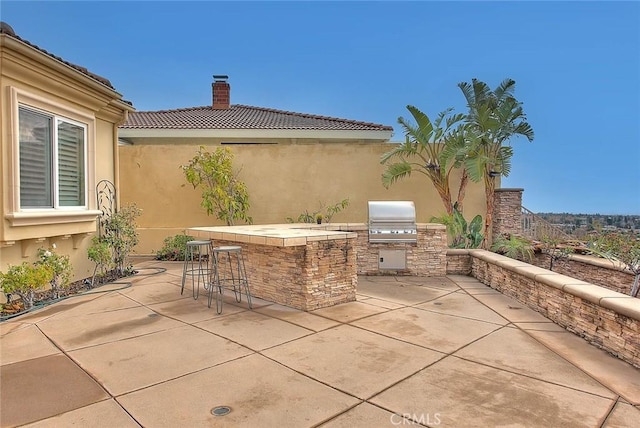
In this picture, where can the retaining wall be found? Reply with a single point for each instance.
(605, 318)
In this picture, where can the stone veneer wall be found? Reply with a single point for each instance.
(605, 318)
(317, 275)
(427, 257)
(458, 262)
(507, 212)
(591, 269)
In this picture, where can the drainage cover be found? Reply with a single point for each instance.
(220, 411)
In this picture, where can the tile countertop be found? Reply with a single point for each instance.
(278, 235)
(287, 234)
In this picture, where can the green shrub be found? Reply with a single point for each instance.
(173, 248)
(121, 235)
(24, 280)
(60, 267)
(514, 247)
(100, 253)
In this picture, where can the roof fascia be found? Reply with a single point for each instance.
(324, 134)
(54, 64)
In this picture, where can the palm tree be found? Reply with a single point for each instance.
(493, 119)
(424, 151)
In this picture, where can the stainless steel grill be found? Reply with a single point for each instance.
(392, 221)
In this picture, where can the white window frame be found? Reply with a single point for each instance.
(27, 216)
(54, 159)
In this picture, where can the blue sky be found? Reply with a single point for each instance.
(576, 64)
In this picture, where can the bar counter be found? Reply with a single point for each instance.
(304, 266)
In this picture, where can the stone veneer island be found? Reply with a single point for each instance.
(309, 266)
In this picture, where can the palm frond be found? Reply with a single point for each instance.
(395, 172)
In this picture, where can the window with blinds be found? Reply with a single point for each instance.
(52, 161)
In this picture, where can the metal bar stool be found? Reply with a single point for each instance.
(196, 265)
(228, 271)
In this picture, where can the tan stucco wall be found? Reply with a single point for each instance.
(283, 181)
(47, 84)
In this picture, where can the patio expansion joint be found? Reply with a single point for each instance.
(609, 413)
(540, 380)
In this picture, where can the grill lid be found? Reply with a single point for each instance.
(392, 221)
(391, 212)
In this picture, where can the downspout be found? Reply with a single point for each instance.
(116, 156)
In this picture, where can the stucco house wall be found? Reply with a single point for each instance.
(31, 77)
(283, 180)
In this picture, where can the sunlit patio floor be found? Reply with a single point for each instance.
(445, 351)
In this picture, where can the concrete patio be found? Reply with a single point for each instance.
(444, 351)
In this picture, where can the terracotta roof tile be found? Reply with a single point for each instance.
(6, 29)
(241, 117)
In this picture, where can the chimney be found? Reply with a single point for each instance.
(221, 92)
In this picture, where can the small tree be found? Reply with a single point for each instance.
(622, 247)
(556, 252)
(24, 280)
(222, 193)
(121, 235)
(100, 253)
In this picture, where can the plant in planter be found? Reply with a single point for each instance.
(323, 213)
(555, 250)
(99, 252)
(515, 247)
(121, 236)
(461, 233)
(621, 247)
(24, 280)
(60, 267)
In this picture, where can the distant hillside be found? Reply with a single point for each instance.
(579, 224)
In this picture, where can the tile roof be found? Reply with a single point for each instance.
(242, 117)
(7, 30)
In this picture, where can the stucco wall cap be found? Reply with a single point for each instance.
(590, 292)
(557, 280)
(510, 264)
(487, 256)
(457, 252)
(627, 305)
(530, 271)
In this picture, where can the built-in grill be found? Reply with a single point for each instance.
(392, 221)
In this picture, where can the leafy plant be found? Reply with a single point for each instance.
(622, 247)
(100, 253)
(424, 151)
(24, 280)
(461, 233)
(325, 213)
(60, 268)
(173, 248)
(556, 252)
(222, 193)
(121, 236)
(513, 246)
(494, 117)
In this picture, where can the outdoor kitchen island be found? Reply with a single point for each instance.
(293, 264)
